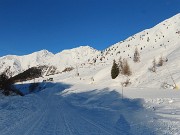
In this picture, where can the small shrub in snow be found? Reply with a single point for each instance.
(94, 60)
(165, 85)
(126, 83)
(161, 61)
(148, 39)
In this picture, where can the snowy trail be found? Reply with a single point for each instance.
(96, 112)
(55, 117)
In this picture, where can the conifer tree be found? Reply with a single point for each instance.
(136, 55)
(5, 84)
(3, 80)
(114, 70)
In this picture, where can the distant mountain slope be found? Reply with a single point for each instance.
(67, 58)
(73, 57)
(18, 64)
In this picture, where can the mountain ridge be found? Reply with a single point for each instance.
(42, 57)
(160, 40)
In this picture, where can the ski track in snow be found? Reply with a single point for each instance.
(89, 113)
(55, 117)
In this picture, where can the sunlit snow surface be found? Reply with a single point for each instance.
(93, 103)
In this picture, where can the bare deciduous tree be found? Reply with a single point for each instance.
(161, 61)
(153, 69)
(126, 68)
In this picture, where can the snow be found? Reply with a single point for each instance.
(75, 109)
(73, 57)
(93, 103)
(66, 58)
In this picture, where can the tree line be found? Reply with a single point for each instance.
(7, 84)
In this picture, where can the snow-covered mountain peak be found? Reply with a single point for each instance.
(80, 49)
(42, 53)
(73, 57)
(85, 48)
(17, 64)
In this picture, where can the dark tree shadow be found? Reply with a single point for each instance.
(29, 88)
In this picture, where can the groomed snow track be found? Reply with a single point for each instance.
(50, 112)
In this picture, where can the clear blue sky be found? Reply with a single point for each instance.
(31, 25)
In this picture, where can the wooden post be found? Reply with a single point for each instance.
(122, 90)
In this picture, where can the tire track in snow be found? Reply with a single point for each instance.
(63, 110)
(57, 117)
(96, 125)
(31, 130)
(20, 123)
(37, 122)
(78, 117)
(49, 121)
(67, 125)
(28, 124)
(11, 130)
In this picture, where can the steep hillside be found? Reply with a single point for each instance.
(163, 40)
(159, 40)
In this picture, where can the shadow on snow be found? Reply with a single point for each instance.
(107, 109)
(104, 108)
(28, 88)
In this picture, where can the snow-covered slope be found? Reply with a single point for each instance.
(67, 58)
(17, 64)
(73, 57)
(161, 40)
